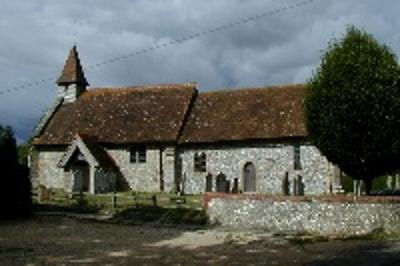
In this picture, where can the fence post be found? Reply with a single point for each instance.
(135, 199)
(154, 199)
(114, 200)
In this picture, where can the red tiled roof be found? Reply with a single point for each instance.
(146, 114)
(246, 114)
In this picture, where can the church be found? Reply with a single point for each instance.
(173, 138)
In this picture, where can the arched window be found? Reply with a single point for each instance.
(209, 183)
(249, 177)
(297, 157)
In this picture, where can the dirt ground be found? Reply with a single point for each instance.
(55, 240)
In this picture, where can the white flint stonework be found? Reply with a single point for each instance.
(139, 176)
(316, 217)
(147, 176)
(49, 174)
(272, 162)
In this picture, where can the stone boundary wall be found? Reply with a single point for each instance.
(324, 215)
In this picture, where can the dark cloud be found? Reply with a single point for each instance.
(281, 48)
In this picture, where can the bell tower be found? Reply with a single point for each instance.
(72, 82)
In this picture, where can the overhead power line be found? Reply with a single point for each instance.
(173, 42)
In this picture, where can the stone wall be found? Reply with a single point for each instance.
(105, 181)
(48, 174)
(304, 214)
(139, 176)
(272, 162)
(169, 168)
(146, 176)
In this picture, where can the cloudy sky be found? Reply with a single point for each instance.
(281, 46)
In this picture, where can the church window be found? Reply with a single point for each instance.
(200, 162)
(209, 179)
(296, 158)
(138, 154)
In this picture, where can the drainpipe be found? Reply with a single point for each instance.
(161, 170)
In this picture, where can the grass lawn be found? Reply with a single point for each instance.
(377, 184)
(130, 206)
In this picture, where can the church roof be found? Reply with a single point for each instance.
(145, 114)
(72, 72)
(246, 114)
(172, 113)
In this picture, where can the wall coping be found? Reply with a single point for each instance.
(207, 197)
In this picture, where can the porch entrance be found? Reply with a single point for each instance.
(81, 170)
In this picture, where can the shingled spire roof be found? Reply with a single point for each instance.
(72, 72)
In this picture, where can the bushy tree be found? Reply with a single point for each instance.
(353, 106)
(23, 151)
(15, 188)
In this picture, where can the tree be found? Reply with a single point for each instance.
(15, 188)
(353, 106)
(23, 151)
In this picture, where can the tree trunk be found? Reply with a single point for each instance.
(357, 187)
(368, 186)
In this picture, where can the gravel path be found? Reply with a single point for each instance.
(46, 240)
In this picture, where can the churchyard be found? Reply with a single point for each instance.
(60, 240)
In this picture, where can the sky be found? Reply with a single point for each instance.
(281, 43)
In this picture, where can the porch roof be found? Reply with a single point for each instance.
(93, 153)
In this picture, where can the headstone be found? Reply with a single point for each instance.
(227, 186)
(235, 188)
(285, 185)
(300, 185)
(220, 182)
(389, 182)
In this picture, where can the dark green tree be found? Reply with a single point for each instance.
(15, 187)
(23, 151)
(353, 106)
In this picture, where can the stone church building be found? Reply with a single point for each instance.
(171, 137)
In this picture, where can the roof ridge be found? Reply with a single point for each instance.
(140, 88)
(155, 85)
(240, 89)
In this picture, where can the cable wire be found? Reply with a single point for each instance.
(173, 42)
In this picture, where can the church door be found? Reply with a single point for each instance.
(249, 177)
(82, 176)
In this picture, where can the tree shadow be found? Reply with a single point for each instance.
(159, 215)
(60, 240)
(361, 253)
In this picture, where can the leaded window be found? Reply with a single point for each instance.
(200, 162)
(297, 157)
(138, 154)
